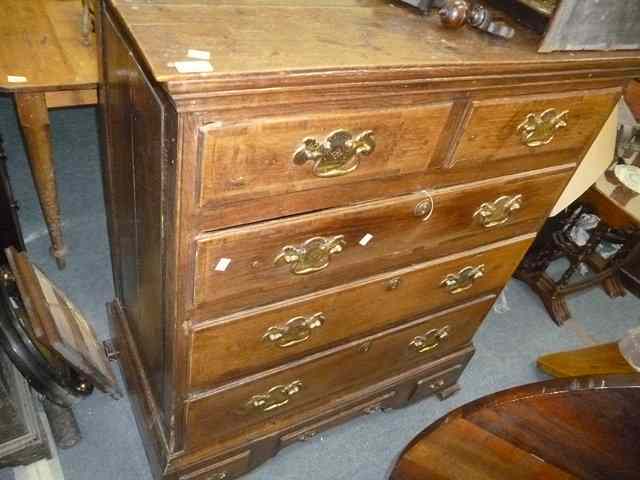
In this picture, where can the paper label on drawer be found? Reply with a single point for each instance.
(222, 264)
(16, 79)
(366, 239)
(193, 66)
(198, 54)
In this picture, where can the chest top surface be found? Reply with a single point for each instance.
(284, 38)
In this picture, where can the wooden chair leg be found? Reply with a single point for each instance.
(34, 120)
(545, 288)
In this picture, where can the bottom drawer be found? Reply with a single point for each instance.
(252, 402)
(437, 383)
(226, 469)
(448, 371)
(310, 431)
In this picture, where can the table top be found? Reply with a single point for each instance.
(624, 198)
(42, 47)
(566, 429)
(243, 37)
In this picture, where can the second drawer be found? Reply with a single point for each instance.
(263, 338)
(260, 264)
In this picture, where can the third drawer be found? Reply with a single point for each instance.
(263, 338)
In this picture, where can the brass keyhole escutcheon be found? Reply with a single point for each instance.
(365, 347)
(424, 208)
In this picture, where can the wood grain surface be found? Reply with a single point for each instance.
(231, 350)
(257, 36)
(251, 160)
(397, 238)
(491, 129)
(603, 359)
(222, 413)
(586, 428)
(198, 168)
(41, 41)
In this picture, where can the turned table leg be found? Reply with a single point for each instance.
(34, 120)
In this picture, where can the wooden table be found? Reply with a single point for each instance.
(45, 64)
(586, 428)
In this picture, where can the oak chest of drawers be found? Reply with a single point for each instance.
(293, 187)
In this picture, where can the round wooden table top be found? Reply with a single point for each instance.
(581, 428)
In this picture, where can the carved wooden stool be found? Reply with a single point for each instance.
(553, 242)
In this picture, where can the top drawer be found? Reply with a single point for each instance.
(559, 126)
(272, 156)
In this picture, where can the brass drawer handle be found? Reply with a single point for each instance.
(430, 340)
(296, 330)
(338, 155)
(538, 129)
(463, 280)
(276, 397)
(312, 256)
(217, 476)
(305, 437)
(437, 385)
(498, 212)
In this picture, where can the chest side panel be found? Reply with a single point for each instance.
(134, 117)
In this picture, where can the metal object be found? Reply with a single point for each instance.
(455, 13)
(593, 25)
(373, 409)
(430, 340)
(64, 425)
(392, 284)
(6, 275)
(628, 142)
(276, 397)
(110, 351)
(295, 331)
(544, 7)
(539, 129)
(365, 347)
(10, 232)
(424, 208)
(217, 476)
(463, 280)
(87, 23)
(313, 255)
(305, 437)
(437, 384)
(498, 212)
(23, 438)
(338, 155)
(425, 6)
(45, 370)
